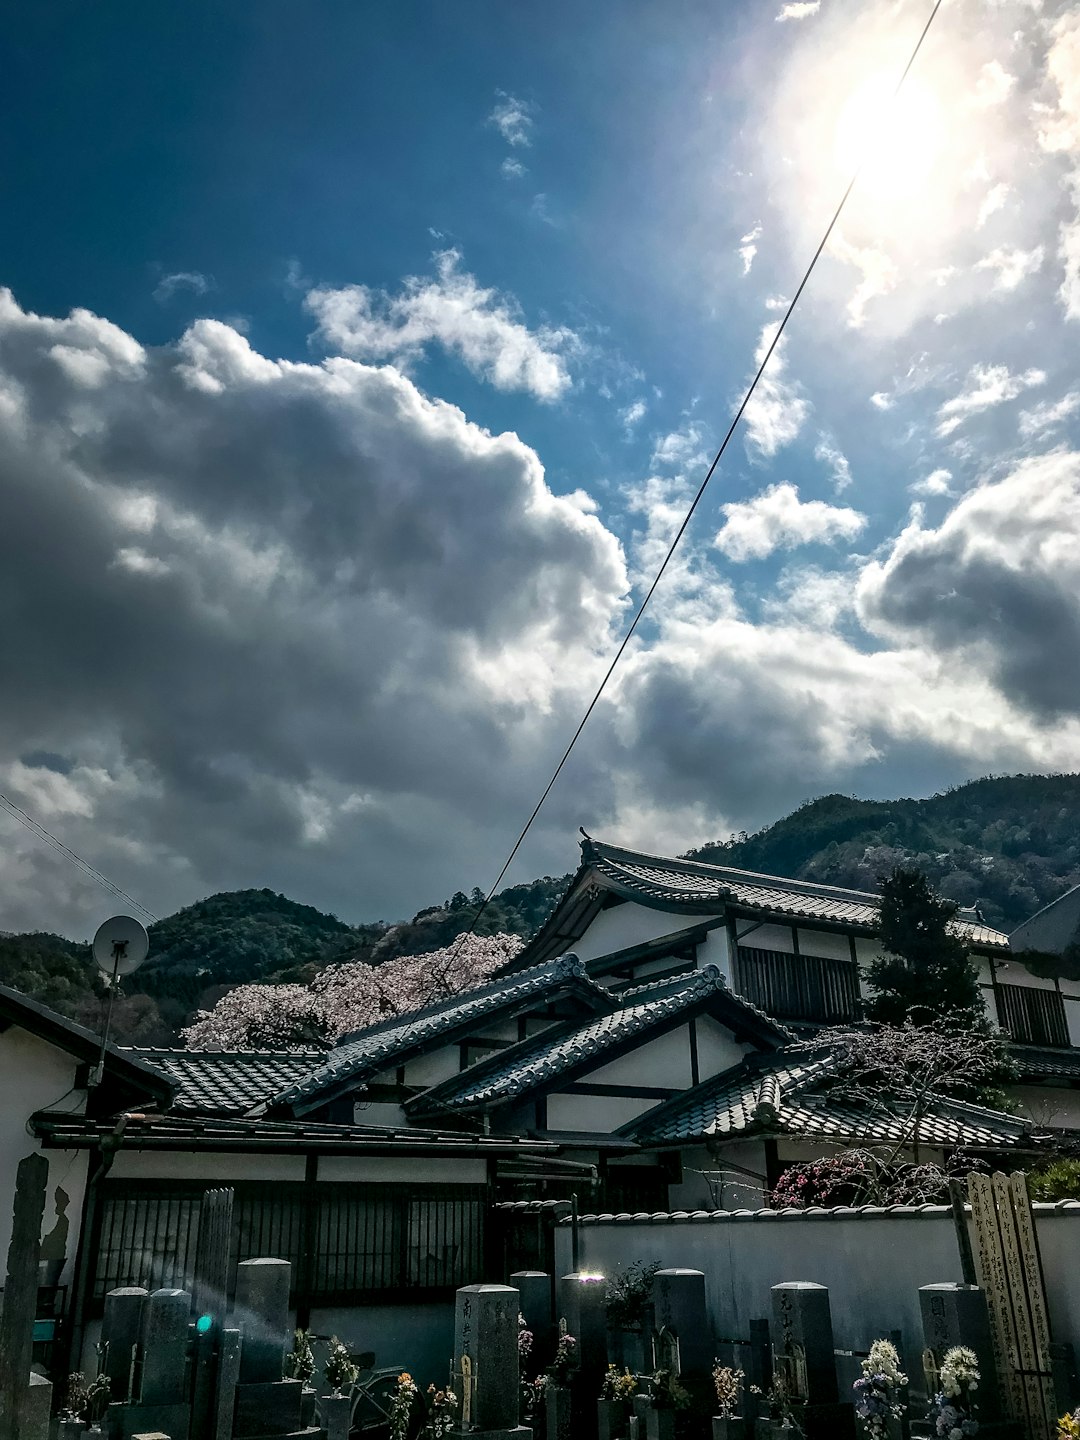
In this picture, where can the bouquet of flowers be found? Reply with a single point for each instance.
(566, 1359)
(618, 1387)
(728, 1384)
(875, 1393)
(442, 1408)
(1068, 1427)
(401, 1406)
(339, 1369)
(953, 1410)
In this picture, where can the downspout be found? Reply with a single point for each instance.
(101, 1163)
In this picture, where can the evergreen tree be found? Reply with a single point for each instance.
(925, 973)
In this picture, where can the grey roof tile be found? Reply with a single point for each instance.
(375, 1048)
(634, 1012)
(690, 882)
(783, 1093)
(220, 1082)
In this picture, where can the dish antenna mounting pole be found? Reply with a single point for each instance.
(120, 947)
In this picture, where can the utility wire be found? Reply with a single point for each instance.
(697, 498)
(69, 854)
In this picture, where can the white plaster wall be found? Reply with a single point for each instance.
(715, 950)
(710, 1184)
(174, 1165)
(1050, 1105)
(718, 1050)
(765, 937)
(826, 943)
(431, 1069)
(630, 924)
(35, 1076)
(378, 1112)
(404, 1169)
(873, 1265)
(1012, 972)
(596, 1113)
(1072, 1019)
(662, 1061)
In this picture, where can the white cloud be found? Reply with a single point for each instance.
(1012, 267)
(191, 280)
(993, 201)
(451, 309)
(1049, 415)
(513, 118)
(1061, 130)
(512, 168)
(748, 248)
(1069, 254)
(632, 414)
(778, 520)
(987, 386)
(879, 274)
(936, 483)
(799, 10)
(777, 409)
(882, 400)
(829, 453)
(993, 86)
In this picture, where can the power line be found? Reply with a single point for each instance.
(700, 492)
(42, 834)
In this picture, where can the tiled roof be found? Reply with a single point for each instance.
(220, 1082)
(783, 1094)
(634, 1012)
(811, 1212)
(675, 883)
(377, 1047)
(1039, 1061)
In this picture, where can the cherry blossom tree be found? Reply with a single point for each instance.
(344, 998)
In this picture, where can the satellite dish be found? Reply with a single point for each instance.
(120, 945)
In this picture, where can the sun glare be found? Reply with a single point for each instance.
(894, 139)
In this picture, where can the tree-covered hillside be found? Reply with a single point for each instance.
(1008, 845)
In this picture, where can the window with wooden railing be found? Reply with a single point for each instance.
(798, 987)
(1032, 1017)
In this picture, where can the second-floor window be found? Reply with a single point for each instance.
(1032, 1017)
(797, 987)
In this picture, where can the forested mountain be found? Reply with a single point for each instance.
(1007, 845)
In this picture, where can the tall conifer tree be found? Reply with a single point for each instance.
(925, 973)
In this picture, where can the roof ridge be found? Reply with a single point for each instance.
(183, 1053)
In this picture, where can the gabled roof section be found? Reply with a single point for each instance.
(691, 887)
(1036, 1062)
(83, 1044)
(785, 1094)
(1053, 929)
(395, 1039)
(223, 1082)
(558, 1054)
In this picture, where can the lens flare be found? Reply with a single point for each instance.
(895, 140)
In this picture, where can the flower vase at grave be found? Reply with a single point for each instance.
(731, 1427)
(612, 1419)
(558, 1424)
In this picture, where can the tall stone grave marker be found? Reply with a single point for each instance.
(680, 1309)
(209, 1294)
(266, 1404)
(121, 1326)
(803, 1358)
(20, 1300)
(955, 1314)
(582, 1303)
(161, 1402)
(486, 1363)
(534, 1287)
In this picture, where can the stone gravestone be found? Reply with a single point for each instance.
(955, 1314)
(679, 1305)
(209, 1295)
(121, 1325)
(803, 1357)
(534, 1287)
(582, 1303)
(266, 1404)
(17, 1408)
(486, 1363)
(38, 1409)
(228, 1373)
(162, 1368)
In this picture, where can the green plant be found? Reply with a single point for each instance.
(667, 1391)
(1057, 1180)
(629, 1293)
(339, 1368)
(566, 1359)
(618, 1387)
(728, 1384)
(300, 1361)
(97, 1399)
(75, 1397)
(401, 1406)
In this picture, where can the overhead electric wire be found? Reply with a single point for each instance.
(42, 834)
(698, 496)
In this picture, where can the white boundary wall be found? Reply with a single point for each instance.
(873, 1260)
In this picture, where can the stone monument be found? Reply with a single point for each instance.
(804, 1361)
(486, 1363)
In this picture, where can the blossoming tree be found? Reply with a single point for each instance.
(344, 998)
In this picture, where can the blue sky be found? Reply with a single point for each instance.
(360, 359)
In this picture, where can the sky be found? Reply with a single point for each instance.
(358, 363)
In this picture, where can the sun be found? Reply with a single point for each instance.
(895, 139)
